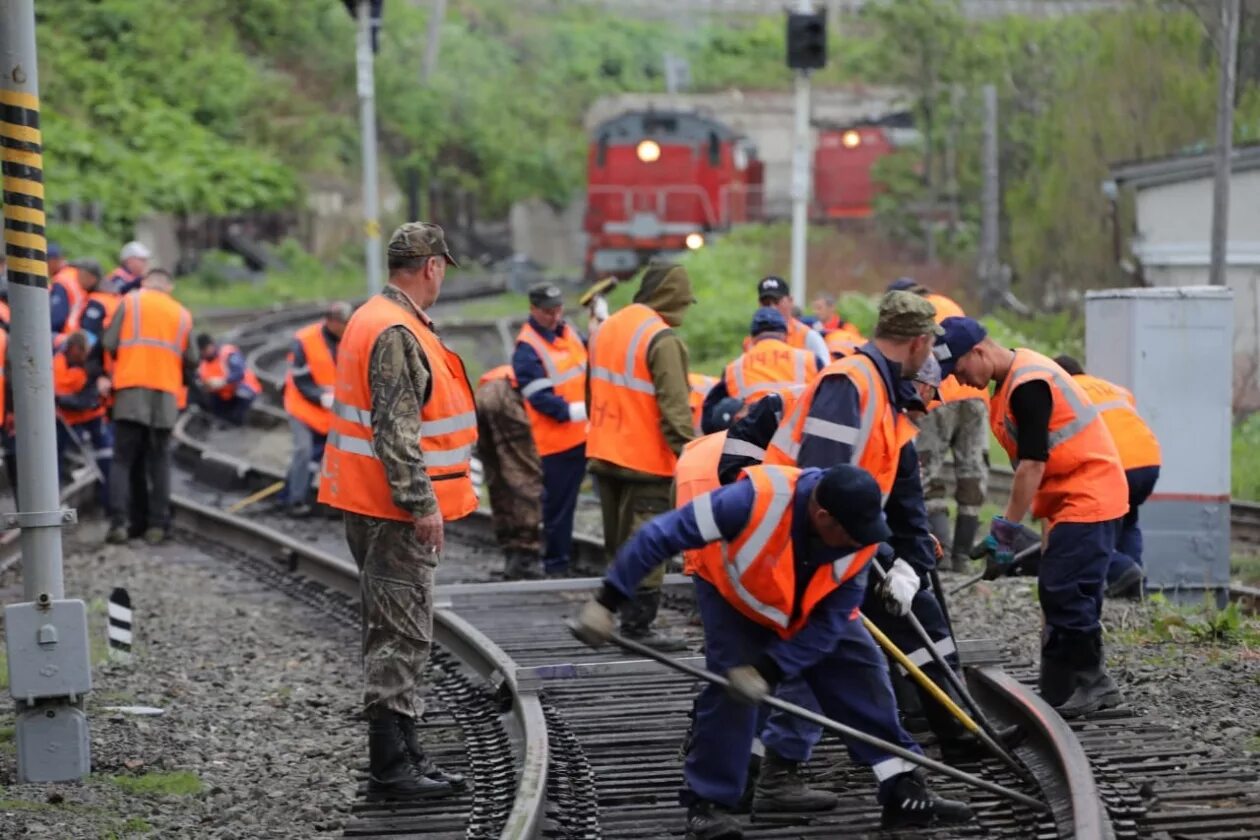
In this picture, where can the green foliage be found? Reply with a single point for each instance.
(1204, 624)
(174, 783)
(1245, 452)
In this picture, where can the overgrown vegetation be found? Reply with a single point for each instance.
(173, 783)
(1193, 624)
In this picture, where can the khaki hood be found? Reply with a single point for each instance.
(667, 289)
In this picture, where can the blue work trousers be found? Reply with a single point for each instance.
(1072, 574)
(849, 685)
(233, 410)
(94, 436)
(308, 450)
(795, 739)
(562, 478)
(1129, 535)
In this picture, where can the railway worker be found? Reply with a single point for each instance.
(701, 385)
(823, 528)
(150, 337)
(829, 320)
(549, 362)
(133, 262)
(768, 366)
(81, 407)
(397, 464)
(308, 398)
(852, 413)
(66, 296)
(640, 422)
(774, 292)
(101, 302)
(512, 470)
(228, 387)
(1069, 475)
(1139, 455)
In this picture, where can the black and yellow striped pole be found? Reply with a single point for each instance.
(46, 635)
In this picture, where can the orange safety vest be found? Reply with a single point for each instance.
(701, 385)
(353, 477)
(876, 443)
(756, 571)
(109, 303)
(697, 473)
(4, 357)
(625, 419)
(5, 316)
(1084, 481)
(843, 343)
(565, 366)
(68, 381)
(500, 372)
(945, 307)
(217, 368)
(319, 361)
(1135, 442)
(76, 297)
(770, 366)
(797, 331)
(152, 342)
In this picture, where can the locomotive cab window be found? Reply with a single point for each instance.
(656, 124)
(601, 151)
(715, 149)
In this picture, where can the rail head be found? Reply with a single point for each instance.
(1066, 777)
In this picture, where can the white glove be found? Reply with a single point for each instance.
(326, 399)
(577, 412)
(594, 624)
(746, 685)
(215, 383)
(899, 588)
(599, 309)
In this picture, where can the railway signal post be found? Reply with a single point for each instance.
(806, 51)
(46, 634)
(365, 80)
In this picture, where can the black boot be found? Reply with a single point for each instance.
(780, 788)
(710, 821)
(424, 765)
(637, 616)
(750, 786)
(391, 774)
(1055, 681)
(910, 803)
(965, 528)
(521, 565)
(1127, 585)
(1093, 687)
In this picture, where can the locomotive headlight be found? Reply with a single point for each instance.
(694, 241)
(851, 139)
(648, 151)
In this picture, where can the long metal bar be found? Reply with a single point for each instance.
(837, 727)
(366, 84)
(1228, 59)
(800, 174)
(972, 581)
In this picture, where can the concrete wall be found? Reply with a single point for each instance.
(549, 236)
(1182, 212)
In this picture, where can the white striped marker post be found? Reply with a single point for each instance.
(120, 625)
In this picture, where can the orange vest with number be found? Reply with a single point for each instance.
(625, 419)
(217, 368)
(68, 381)
(756, 571)
(152, 342)
(565, 365)
(1135, 442)
(770, 366)
(353, 478)
(323, 370)
(701, 385)
(1084, 481)
(697, 473)
(876, 443)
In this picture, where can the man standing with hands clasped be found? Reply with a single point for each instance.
(397, 463)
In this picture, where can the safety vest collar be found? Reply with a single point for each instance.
(627, 379)
(1024, 370)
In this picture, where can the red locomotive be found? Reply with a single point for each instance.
(843, 158)
(661, 182)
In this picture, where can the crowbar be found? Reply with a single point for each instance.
(970, 582)
(269, 490)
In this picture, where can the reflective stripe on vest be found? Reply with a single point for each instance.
(695, 477)
(759, 371)
(322, 369)
(1135, 441)
(217, 368)
(1084, 412)
(564, 366)
(152, 340)
(627, 379)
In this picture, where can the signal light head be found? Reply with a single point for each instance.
(648, 151)
(851, 139)
(694, 241)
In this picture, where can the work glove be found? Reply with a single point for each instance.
(898, 588)
(938, 550)
(594, 624)
(999, 545)
(745, 684)
(215, 384)
(326, 399)
(577, 412)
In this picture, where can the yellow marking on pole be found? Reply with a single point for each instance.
(23, 186)
(21, 265)
(35, 160)
(920, 677)
(372, 228)
(22, 239)
(264, 493)
(25, 133)
(30, 215)
(18, 98)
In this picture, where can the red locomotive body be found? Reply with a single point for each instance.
(843, 158)
(661, 182)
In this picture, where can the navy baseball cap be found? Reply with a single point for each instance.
(54, 250)
(766, 319)
(961, 335)
(722, 415)
(901, 284)
(772, 287)
(851, 495)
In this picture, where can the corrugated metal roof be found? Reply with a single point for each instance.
(1182, 167)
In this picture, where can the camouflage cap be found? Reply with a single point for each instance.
(906, 315)
(419, 239)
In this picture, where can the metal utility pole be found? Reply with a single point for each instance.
(1224, 140)
(366, 82)
(807, 48)
(990, 275)
(46, 635)
(437, 15)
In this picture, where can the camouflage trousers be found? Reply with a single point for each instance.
(960, 427)
(626, 507)
(396, 606)
(513, 470)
